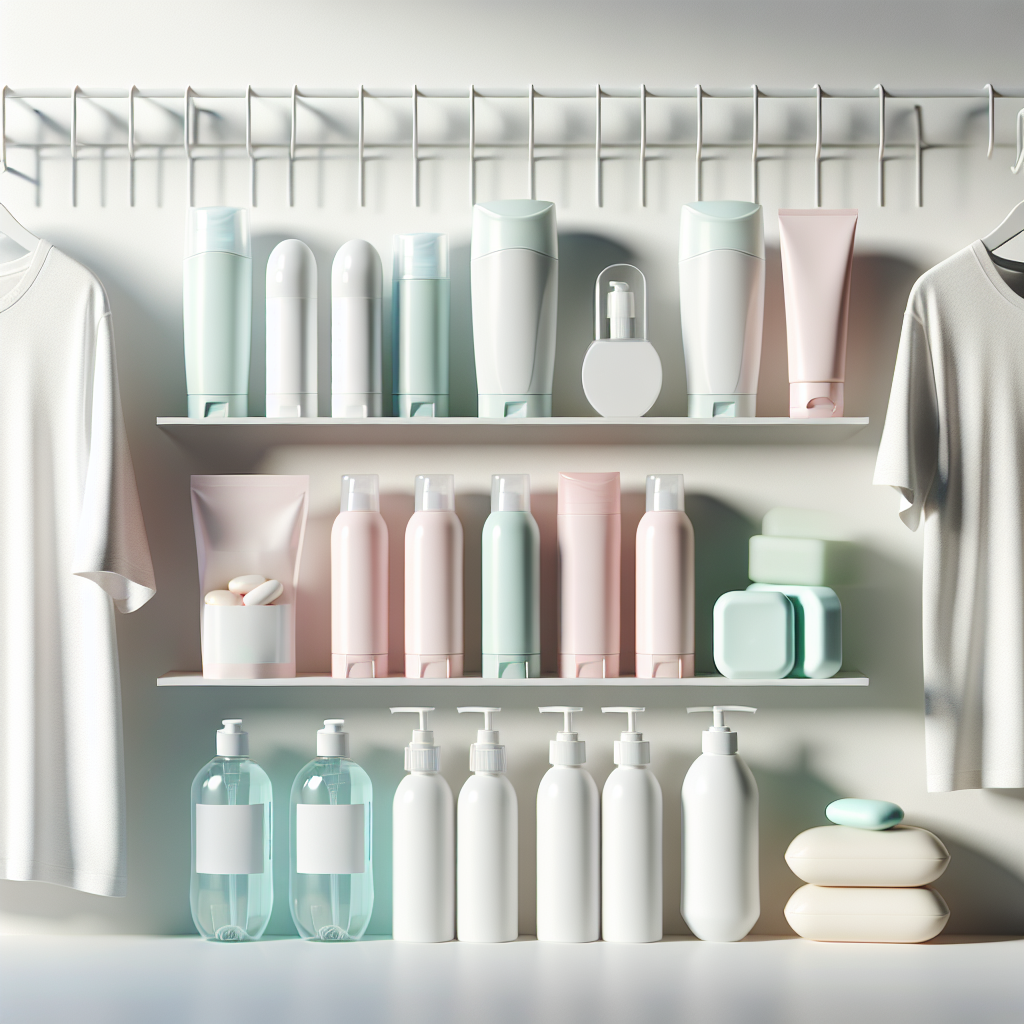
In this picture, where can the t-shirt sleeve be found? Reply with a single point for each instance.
(908, 454)
(111, 547)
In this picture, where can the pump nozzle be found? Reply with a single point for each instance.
(630, 712)
(720, 739)
(562, 710)
(719, 712)
(621, 309)
(332, 740)
(567, 747)
(421, 755)
(232, 740)
(487, 754)
(631, 748)
(422, 712)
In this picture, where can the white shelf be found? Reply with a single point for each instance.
(198, 679)
(256, 431)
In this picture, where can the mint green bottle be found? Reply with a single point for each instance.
(510, 559)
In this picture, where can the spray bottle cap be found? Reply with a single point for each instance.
(631, 747)
(232, 740)
(422, 754)
(720, 739)
(435, 493)
(360, 492)
(567, 747)
(487, 754)
(665, 492)
(331, 740)
(510, 492)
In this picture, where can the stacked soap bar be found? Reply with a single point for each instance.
(867, 877)
(789, 621)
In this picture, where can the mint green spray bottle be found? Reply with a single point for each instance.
(510, 560)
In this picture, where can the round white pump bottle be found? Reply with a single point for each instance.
(291, 331)
(355, 331)
(568, 842)
(721, 898)
(487, 864)
(423, 844)
(631, 833)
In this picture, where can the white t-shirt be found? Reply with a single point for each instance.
(72, 546)
(953, 445)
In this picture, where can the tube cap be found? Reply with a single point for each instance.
(422, 754)
(356, 272)
(487, 754)
(588, 494)
(291, 271)
(723, 224)
(232, 740)
(567, 747)
(217, 229)
(359, 493)
(420, 257)
(435, 493)
(510, 492)
(514, 224)
(815, 400)
(631, 748)
(720, 739)
(665, 492)
(332, 740)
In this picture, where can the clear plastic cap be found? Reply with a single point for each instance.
(487, 754)
(332, 740)
(360, 493)
(510, 492)
(232, 740)
(720, 739)
(631, 748)
(566, 748)
(435, 493)
(665, 492)
(217, 229)
(420, 257)
(422, 754)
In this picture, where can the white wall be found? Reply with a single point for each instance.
(806, 746)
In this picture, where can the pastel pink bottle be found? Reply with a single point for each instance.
(589, 575)
(433, 582)
(664, 583)
(359, 583)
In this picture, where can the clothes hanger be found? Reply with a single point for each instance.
(1011, 227)
(21, 235)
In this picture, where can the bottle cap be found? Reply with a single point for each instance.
(720, 739)
(356, 272)
(291, 271)
(217, 229)
(332, 740)
(422, 755)
(435, 493)
(359, 493)
(487, 754)
(723, 224)
(232, 740)
(566, 747)
(665, 492)
(510, 492)
(514, 224)
(630, 748)
(588, 494)
(420, 257)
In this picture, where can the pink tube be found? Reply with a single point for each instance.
(817, 263)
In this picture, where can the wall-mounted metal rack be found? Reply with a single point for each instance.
(192, 147)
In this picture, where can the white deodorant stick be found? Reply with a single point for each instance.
(291, 331)
(355, 331)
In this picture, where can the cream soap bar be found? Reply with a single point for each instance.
(842, 914)
(842, 856)
(806, 561)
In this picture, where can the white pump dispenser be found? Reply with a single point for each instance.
(631, 859)
(487, 865)
(720, 893)
(568, 842)
(423, 838)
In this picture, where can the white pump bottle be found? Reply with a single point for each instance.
(423, 838)
(487, 863)
(631, 834)
(568, 842)
(721, 897)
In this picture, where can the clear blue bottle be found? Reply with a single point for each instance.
(232, 891)
(331, 881)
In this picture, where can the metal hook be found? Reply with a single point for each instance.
(700, 141)
(131, 145)
(991, 120)
(188, 145)
(881, 145)
(817, 145)
(597, 144)
(361, 186)
(753, 148)
(248, 145)
(643, 145)
(74, 146)
(918, 149)
(3, 129)
(415, 147)
(531, 178)
(291, 147)
(1019, 162)
(472, 145)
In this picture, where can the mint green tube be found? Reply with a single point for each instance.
(510, 560)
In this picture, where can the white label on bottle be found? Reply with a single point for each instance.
(229, 839)
(329, 839)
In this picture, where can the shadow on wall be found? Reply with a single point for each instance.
(461, 358)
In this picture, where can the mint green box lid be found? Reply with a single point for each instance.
(754, 635)
(721, 224)
(514, 224)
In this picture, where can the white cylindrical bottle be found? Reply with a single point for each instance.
(355, 331)
(423, 844)
(291, 331)
(664, 583)
(720, 894)
(433, 582)
(487, 859)
(631, 833)
(568, 842)
(359, 582)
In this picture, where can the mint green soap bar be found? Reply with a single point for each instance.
(874, 815)
(754, 635)
(819, 628)
(805, 561)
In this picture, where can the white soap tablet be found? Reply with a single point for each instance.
(241, 585)
(222, 597)
(267, 591)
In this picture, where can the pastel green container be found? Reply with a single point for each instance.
(818, 617)
(803, 561)
(754, 636)
(510, 561)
